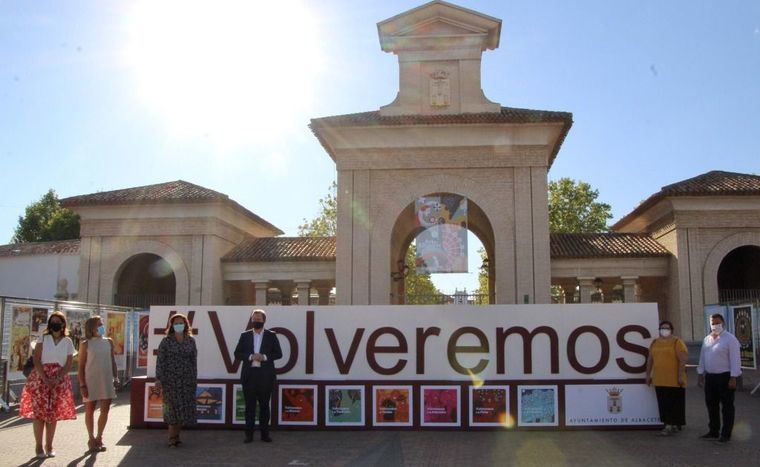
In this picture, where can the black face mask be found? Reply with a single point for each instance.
(55, 327)
(258, 325)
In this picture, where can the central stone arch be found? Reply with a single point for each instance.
(406, 229)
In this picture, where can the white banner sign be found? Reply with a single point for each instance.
(498, 342)
(610, 405)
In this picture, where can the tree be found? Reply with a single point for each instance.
(418, 287)
(326, 222)
(573, 207)
(326, 225)
(482, 275)
(46, 220)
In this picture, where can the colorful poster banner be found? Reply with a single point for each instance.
(116, 323)
(76, 320)
(345, 405)
(297, 404)
(611, 405)
(392, 405)
(744, 332)
(143, 331)
(238, 406)
(154, 403)
(489, 406)
(440, 406)
(537, 406)
(210, 403)
(39, 320)
(20, 348)
(442, 245)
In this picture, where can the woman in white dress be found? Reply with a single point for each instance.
(97, 377)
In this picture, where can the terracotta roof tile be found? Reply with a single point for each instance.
(507, 115)
(58, 247)
(604, 245)
(273, 249)
(180, 192)
(713, 183)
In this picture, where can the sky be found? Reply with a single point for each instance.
(100, 95)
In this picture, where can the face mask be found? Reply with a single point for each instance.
(101, 330)
(179, 327)
(665, 332)
(258, 325)
(716, 328)
(55, 327)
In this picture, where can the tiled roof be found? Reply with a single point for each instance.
(604, 245)
(180, 192)
(272, 249)
(713, 183)
(507, 115)
(58, 247)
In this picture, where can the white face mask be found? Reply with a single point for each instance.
(665, 332)
(716, 328)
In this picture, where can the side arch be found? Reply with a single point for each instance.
(715, 257)
(125, 254)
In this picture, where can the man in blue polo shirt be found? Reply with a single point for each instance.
(719, 366)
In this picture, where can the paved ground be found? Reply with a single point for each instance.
(385, 448)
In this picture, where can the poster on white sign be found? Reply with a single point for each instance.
(611, 405)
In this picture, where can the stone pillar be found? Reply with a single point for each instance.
(261, 292)
(324, 295)
(303, 288)
(629, 288)
(587, 288)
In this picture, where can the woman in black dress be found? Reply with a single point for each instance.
(177, 375)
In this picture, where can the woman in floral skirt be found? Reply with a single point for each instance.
(47, 396)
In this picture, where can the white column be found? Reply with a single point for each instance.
(303, 288)
(629, 288)
(261, 292)
(586, 288)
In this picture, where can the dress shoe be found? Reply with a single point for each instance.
(709, 435)
(722, 439)
(248, 437)
(266, 438)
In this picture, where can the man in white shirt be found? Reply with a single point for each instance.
(719, 366)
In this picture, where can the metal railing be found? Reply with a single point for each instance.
(446, 299)
(143, 301)
(738, 295)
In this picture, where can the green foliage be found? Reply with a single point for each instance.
(418, 287)
(482, 274)
(45, 220)
(326, 225)
(573, 207)
(326, 222)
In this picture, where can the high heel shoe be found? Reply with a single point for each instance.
(92, 445)
(99, 442)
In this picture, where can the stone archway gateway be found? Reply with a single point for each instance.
(145, 279)
(442, 135)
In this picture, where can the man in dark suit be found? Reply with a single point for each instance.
(257, 349)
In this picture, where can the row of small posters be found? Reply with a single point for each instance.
(439, 406)
(28, 322)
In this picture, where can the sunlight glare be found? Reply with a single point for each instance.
(235, 71)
